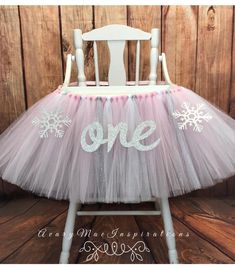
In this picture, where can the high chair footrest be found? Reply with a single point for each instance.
(119, 213)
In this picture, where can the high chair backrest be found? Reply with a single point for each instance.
(116, 36)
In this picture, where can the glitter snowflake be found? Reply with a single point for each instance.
(192, 116)
(51, 122)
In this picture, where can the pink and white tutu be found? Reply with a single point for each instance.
(120, 148)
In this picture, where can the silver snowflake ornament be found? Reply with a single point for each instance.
(192, 116)
(51, 122)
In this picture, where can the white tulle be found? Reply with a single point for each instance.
(58, 167)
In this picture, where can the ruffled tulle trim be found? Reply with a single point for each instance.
(190, 145)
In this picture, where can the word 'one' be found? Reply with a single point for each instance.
(96, 134)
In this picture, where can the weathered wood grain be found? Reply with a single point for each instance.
(10, 209)
(108, 226)
(215, 207)
(41, 50)
(1, 190)
(200, 251)
(151, 228)
(230, 200)
(12, 101)
(218, 190)
(232, 91)
(20, 242)
(231, 186)
(144, 18)
(12, 190)
(179, 36)
(77, 17)
(217, 231)
(213, 72)
(2, 194)
(41, 249)
(12, 98)
(16, 232)
(231, 182)
(47, 249)
(104, 15)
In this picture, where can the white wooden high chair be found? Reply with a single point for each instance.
(116, 37)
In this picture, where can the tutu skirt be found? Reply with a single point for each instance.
(120, 148)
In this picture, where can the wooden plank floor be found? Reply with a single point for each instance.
(204, 231)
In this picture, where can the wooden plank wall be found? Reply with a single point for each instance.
(198, 41)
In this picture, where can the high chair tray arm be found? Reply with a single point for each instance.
(162, 59)
(69, 59)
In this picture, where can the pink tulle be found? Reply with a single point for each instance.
(192, 154)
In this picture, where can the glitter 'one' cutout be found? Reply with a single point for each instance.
(95, 131)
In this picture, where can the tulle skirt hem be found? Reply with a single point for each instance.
(126, 149)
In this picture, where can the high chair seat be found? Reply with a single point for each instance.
(112, 91)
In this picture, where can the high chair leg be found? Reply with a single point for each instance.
(169, 231)
(167, 220)
(68, 232)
